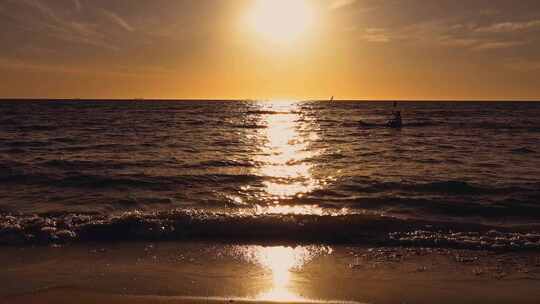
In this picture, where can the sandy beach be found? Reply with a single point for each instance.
(211, 272)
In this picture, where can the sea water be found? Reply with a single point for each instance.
(286, 170)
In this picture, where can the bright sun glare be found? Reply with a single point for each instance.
(281, 21)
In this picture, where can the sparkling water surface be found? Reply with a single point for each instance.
(453, 160)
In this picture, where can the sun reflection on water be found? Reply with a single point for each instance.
(281, 262)
(300, 210)
(285, 152)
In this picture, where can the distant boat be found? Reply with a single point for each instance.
(331, 99)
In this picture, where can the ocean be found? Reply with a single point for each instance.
(458, 174)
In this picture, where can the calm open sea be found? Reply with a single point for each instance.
(285, 170)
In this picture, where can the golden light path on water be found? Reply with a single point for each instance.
(284, 156)
(285, 152)
(285, 161)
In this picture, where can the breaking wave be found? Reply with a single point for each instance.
(326, 227)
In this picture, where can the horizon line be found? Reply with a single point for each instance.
(3, 99)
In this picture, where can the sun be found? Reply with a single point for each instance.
(280, 21)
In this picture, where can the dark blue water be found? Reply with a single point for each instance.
(453, 162)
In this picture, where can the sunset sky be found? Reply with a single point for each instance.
(250, 49)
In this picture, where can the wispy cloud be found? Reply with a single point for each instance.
(58, 24)
(377, 35)
(458, 42)
(116, 19)
(77, 4)
(17, 64)
(523, 65)
(496, 45)
(449, 33)
(489, 12)
(39, 6)
(508, 27)
(337, 4)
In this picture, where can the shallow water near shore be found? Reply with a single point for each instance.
(85, 170)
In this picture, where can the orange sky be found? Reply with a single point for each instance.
(363, 49)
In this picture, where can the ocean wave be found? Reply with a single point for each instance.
(406, 124)
(523, 150)
(441, 187)
(221, 164)
(250, 226)
(246, 125)
(449, 207)
(450, 187)
(482, 125)
(11, 175)
(101, 147)
(30, 144)
(268, 112)
(37, 128)
(81, 164)
(491, 125)
(97, 181)
(8, 121)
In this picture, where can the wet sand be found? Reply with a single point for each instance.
(170, 272)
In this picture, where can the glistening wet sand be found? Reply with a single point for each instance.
(173, 272)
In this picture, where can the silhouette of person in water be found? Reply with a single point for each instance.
(397, 116)
(396, 121)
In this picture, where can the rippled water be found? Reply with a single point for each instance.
(459, 162)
